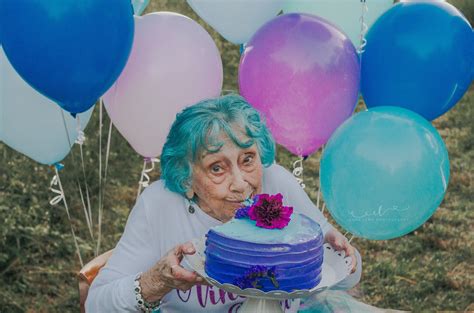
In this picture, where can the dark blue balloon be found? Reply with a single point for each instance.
(419, 56)
(71, 51)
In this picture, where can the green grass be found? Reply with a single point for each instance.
(430, 269)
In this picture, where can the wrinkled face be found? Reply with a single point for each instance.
(223, 179)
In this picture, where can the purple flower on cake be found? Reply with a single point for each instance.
(243, 282)
(254, 275)
(243, 212)
(269, 211)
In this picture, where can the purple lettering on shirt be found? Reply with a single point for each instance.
(202, 300)
(208, 293)
(185, 293)
(234, 308)
(221, 299)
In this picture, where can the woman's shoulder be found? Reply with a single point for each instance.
(158, 189)
(157, 197)
(276, 171)
(276, 177)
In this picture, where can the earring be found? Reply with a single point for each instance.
(190, 195)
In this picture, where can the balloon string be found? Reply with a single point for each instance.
(80, 141)
(363, 27)
(104, 180)
(319, 187)
(56, 182)
(99, 213)
(347, 233)
(352, 237)
(87, 213)
(107, 152)
(59, 195)
(145, 178)
(80, 134)
(298, 171)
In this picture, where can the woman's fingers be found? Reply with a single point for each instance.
(202, 281)
(179, 273)
(188, 248)
(349, 249)
(350, 252)
(354, 263)
(182, 249)
(339, 242)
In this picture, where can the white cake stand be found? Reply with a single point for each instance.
(335, 268)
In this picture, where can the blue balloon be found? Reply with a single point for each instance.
(384, 172)
(419, 56)
(70, 51)
(139, 6)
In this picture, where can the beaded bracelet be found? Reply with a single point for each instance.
(143, 305)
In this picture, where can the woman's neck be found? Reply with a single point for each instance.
(210, 212)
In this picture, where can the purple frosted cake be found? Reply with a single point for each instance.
(265, 247)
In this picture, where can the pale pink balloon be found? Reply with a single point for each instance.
(174, 63)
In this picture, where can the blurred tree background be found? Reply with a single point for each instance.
(431, 269)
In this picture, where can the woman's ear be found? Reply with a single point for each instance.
(190, 193)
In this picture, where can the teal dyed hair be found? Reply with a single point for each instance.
(198, 128)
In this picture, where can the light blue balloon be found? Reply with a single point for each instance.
(384, 172)
(139, 6)
(31, 123)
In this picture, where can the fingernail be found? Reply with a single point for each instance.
(199, 279)
(190, 250)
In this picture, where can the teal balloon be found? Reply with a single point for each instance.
(139, 6)
(31, 123)
(384, 172)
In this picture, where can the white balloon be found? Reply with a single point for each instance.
(345, 14)
(236, 20)
(31, 123)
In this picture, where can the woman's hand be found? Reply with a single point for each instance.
(339, 242)
(167, 274)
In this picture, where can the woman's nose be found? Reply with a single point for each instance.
(238, 184)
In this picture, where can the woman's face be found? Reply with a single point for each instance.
(223, 179)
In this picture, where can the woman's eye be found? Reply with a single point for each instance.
(248, 159)
(216, 169)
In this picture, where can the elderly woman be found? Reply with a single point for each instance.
(218, 153)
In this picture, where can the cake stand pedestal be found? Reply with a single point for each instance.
(335, 268)
(261, 305)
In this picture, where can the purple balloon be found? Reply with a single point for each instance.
(302, 73)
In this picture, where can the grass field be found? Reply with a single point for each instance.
(431, 269)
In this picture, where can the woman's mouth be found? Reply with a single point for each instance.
(241, 200)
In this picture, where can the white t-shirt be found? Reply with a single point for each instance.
(161, 220)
